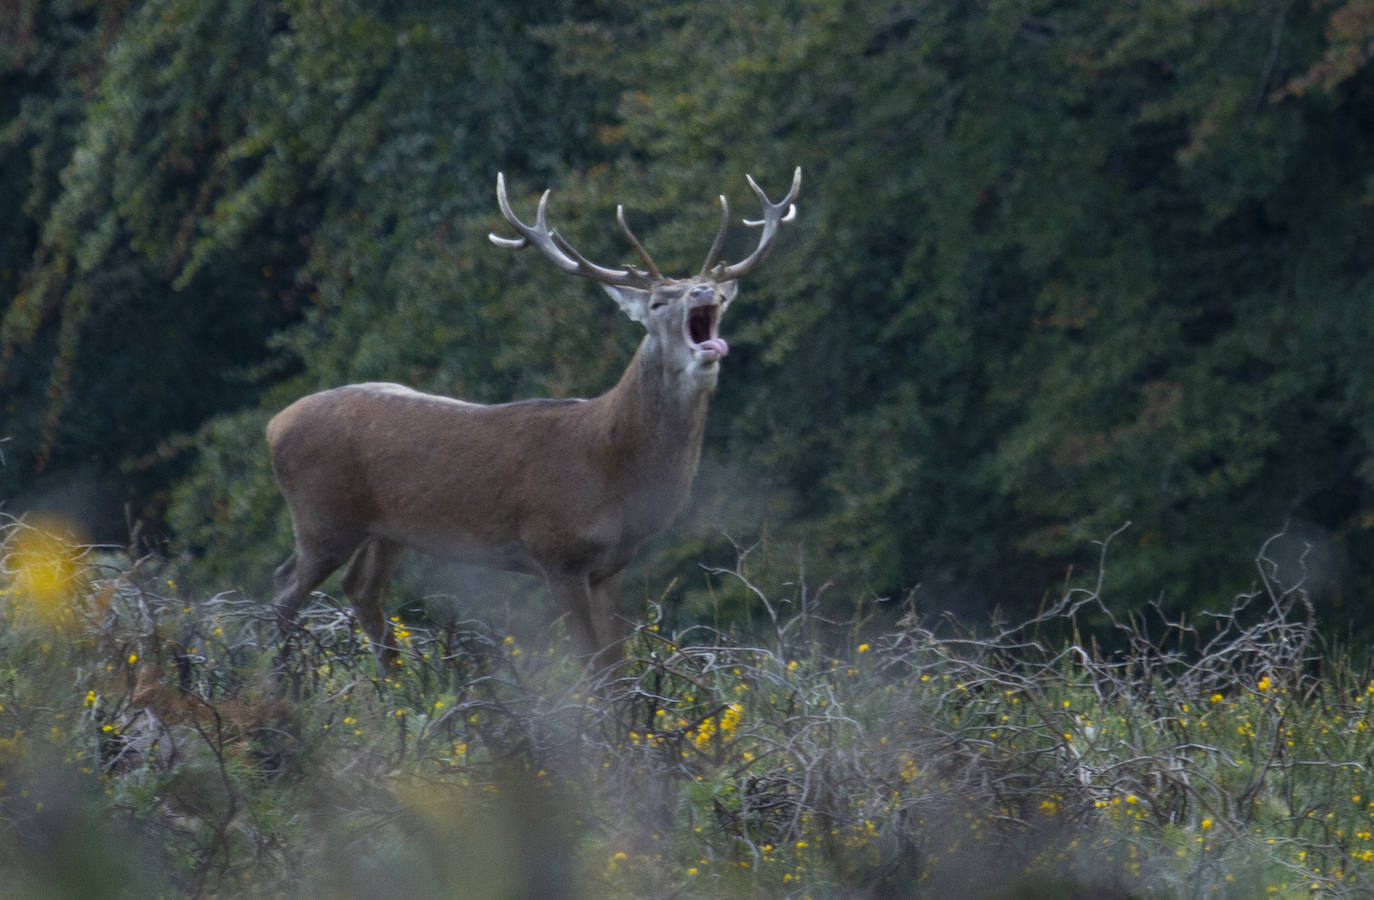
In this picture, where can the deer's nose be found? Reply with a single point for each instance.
(701, 293)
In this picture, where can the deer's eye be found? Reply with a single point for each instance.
(662, 297)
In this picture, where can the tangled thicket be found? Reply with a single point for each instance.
(1222, 757)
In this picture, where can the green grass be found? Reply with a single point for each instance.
(153, 745)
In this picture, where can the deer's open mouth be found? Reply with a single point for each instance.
(702, 322)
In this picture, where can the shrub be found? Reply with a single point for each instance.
(1224, 757)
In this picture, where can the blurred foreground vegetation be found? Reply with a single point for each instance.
(1058, 265)
(152, 745)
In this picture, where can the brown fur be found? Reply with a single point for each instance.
(564, 490)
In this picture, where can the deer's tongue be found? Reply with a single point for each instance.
(715, 345)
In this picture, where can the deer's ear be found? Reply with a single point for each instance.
(633, 301)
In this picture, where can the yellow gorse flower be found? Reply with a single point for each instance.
(724, 724)
(44, 575)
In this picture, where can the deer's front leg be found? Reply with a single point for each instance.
(572, 595)
(610, 625)
(592, 611)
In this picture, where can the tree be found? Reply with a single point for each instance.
(228, 169)
(1062, 270)
(1058, 265)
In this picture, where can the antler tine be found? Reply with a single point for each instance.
(502, 201)
(774, 216)
(556, 247)
(784, 202)
(634, 242)
(720, 236)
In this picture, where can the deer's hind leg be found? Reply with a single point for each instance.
(304, 570)
(367, 575)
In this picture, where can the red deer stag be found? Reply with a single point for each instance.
(563, 489)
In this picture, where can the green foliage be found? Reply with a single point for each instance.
(233, 167)
(1058, 266)
(1061, 271)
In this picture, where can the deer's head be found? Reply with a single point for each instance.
(682, 315)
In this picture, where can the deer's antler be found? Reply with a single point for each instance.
(563, 254)
(774, 215)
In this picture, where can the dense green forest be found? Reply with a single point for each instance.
(1059, 266)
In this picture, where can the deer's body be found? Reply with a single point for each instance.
(565, 490)
(570, 493)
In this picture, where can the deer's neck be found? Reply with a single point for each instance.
(653, 423)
